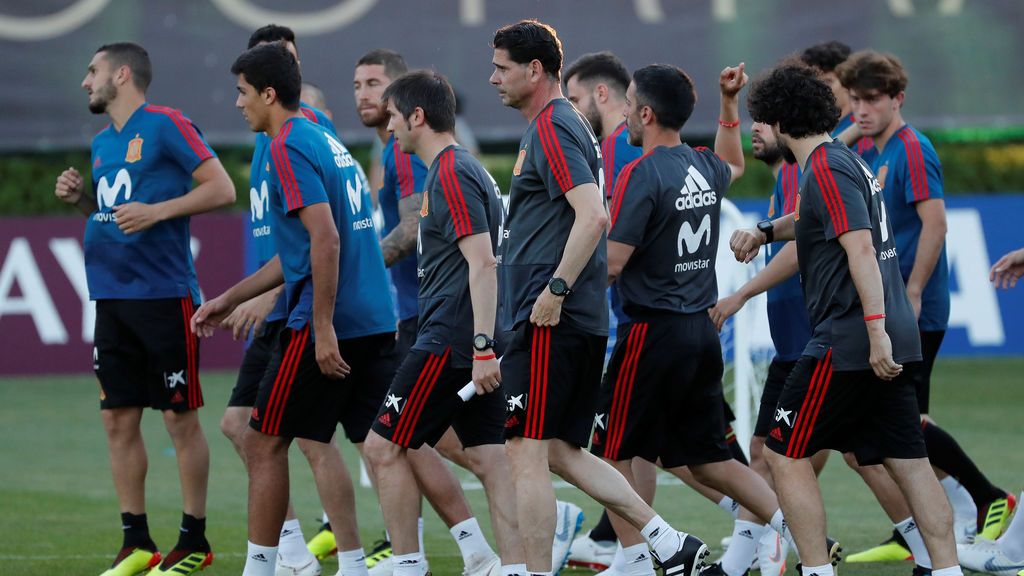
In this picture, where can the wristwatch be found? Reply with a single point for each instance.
(559, 287)
(483, 342)
(768, 228)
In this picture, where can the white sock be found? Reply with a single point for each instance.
(408, 564)
(514, 570)
(951, 571)
(291, 545)
(1012, 541)
(638, 560)
(619, 560)
(352, 563)
(959, 498)
(419, 533)
(908, 528)
(742, 548)
(471, 541)
(825, 570)
(664, 540)
(729, 505)
(778, 524)
(260, 560)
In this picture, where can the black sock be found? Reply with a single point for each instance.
(136, 531)
(603, 531)
(947, 455)
(193, 534)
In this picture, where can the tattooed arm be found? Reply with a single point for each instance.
(401, 241)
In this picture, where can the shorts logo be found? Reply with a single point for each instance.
(172, 379)
(783, 415)
(103, 395)
(134, 153)
(511, 421)
(385, 419)
(516, 402)
(599, 421)
(256, 414)
(393, 401)
(95, 358)
(596, 439)
(177, 398)
(776, 433)
(518, 168)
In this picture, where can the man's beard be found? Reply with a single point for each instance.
(787, 154)
(104, 95)
(594, 117)
(769, 155)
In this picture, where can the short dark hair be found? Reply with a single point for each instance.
(393, 63)
(134, 57)
(668, 90)
(427, 90)
(600, 66)
(529, 40)
(826, 56)
(869, 70)
(272, 33)
(793, 96)
(272, 66)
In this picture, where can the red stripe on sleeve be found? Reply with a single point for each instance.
(453, 195)
(403, 169)
(309, 115)
(620, 188)
(553, 150)
(188, 131)
(915, 164)
(284, 170)
(829, 192)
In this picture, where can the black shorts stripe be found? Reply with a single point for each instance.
(194, 394)
(804, 425)
(414, 407)
(540, 354)
(623, 390)
(283, 382)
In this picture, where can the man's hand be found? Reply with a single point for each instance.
(70, 186)
(250, 315)
(881, 354)
(136, 216)
(726, 308)
(210, 315)
(547, 310)
(915, 302)
(732, 80)
(328, 357)
(1008, 270)
(745, 243)
(486, 375)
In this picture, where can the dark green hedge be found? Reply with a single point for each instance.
(26, 180)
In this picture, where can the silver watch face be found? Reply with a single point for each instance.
(480, 342)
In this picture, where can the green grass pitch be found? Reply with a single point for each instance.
(58, 511)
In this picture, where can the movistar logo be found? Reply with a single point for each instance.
(692, 239)
(106, 193)
(259, 202)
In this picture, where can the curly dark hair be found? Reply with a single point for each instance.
(868, 70)
(826, 56)
(793, 96)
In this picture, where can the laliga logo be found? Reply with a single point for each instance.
(106, 193)
(259, 202)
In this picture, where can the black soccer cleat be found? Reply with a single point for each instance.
(716, 570)
(688, 559)
(921, 571)
(835, 551)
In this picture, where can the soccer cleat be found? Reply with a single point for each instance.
(986, 556)
(995, 517)
(714, 570)
(585, 552)
(688, 559)
(921, 571)
(892, 550)
(772, 550)
(383, 567)
(132, 560)
(311, 568)
(380, 552)
(568, 520)
(488, 566)
(181, 562)
(834, 551)
(323, 544)
(965, 528)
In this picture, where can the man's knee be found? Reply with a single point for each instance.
(851, 461)
(182, 425)
(121, 423)
(233, 424)
(381, 452)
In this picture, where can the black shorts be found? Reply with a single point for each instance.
(662, 395)
(551, 377)
(407, 330)
(296, 400)
(930, 344)
(254, 364)
(146, 355)
(423, 402)
(778, 372)
(847, 411)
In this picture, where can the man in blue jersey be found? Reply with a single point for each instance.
(909, 171)
(140, 273)
(264, 316)
(335, 353)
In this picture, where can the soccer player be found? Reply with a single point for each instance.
(265, 316)
(139, 269)
(460, 220)
(909, 172)
(552, 281)
(337, 345)
(825, 58)
(1007, 270)
(853, 388)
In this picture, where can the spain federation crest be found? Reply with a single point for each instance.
(134, 150)
(518, 168)
(425, 209)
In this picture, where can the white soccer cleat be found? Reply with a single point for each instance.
(311, 568)
(772, 550)
(383, 568)
(486, 566)
(585, 552)
(986, 556)
(965, 528)
(568, 520)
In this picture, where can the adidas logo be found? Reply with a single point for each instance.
(286, 532)
(654, 534)
(463, 535)
(409, 563)
(259, 557)
(385, 419)
(177, 398)
(910, 527)
(776, 433)
(747, 534)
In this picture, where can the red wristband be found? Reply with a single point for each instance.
(874, 317)
(490, 356)
(725, 124)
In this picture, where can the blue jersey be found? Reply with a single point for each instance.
(403, 177)
(150, 160)
(865, 147)
(308, 165)
(787, 312)
(260, 248)
(909, 171)
(616, 152)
